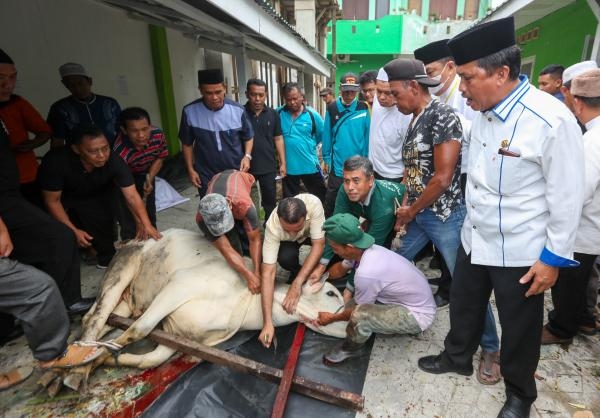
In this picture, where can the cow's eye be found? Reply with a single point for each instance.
(330, 293)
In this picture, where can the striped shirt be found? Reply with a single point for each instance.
(139, 161)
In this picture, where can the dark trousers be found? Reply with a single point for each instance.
(125, 217)
(268, 192)
(333, 187)
(569, 298)
(288, 256)
(43, 242)
(95, 215)
(520, 317)
(395, 180)
(312, 182)
(33, 298)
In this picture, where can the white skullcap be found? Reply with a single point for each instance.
(382, 75)
(577, 69)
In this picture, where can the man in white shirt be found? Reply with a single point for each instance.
(569, 294)
(524, 196)
(387, 131)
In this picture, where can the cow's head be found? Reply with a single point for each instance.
(326, 299)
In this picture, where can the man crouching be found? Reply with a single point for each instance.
(391, 295)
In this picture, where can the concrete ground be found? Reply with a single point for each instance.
(568, 378)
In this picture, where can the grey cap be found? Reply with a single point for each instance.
(72, 68)
(216, 214)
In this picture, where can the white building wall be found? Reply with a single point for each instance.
(186, 59)
(41, 35)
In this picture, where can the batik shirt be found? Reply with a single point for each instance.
(436, 124)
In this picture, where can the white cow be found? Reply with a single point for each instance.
(183, 284)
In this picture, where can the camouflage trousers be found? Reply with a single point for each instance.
(381, 319)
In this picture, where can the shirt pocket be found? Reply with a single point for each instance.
(510, 174)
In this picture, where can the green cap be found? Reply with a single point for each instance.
(344, 228)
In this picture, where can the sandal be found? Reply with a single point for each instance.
(76, 354)
(489, 368)
(14, 377)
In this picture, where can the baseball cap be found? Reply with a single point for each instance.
(72, 68)
(408, 69)
(216, 214)
(325, 91)
(344, 228)
(349, 82)
(577, 69)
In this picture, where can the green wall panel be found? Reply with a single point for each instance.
(561, 37)
(381, 36)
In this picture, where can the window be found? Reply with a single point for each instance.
(527, 65)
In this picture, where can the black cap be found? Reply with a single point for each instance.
(408, 69)
(212, 76)
(326, 91)
(433, 51)
(4, 58)
(483, 40)
(349, 82)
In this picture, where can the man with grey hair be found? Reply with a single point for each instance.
(519, 229)
(296, 221)
(363, 197)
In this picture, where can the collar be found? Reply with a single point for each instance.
(85, 102)
(343, 106)
(367, 201)
(502, 110)
(446, 96)
(251, 112)
(594, 123)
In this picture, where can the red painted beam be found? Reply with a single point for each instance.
(288, 373)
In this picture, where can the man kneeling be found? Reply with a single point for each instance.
(391, 295)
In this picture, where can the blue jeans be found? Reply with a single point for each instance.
(445, 235)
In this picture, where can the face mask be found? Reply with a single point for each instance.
(435, 90)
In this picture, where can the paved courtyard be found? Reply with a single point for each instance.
(568, 378)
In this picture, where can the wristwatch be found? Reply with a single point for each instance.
(248, 156)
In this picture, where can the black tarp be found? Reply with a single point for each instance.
(213, 391)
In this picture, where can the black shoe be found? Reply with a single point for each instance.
(434, 282)
(434, 263)
(342, 353)
(441, 301)
(515, 407)
(81, 306)
(435, 365)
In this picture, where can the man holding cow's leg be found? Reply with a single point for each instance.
(392, 296)
(228, 201)
(296, 221)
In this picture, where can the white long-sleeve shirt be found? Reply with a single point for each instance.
(386, 137)
(526, 208)
(453, 98)
(588, 233)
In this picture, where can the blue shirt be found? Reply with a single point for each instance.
(216, 136)
(68, 113)
(349, 135)
(300, 142)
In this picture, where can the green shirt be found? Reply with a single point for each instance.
(378, 209)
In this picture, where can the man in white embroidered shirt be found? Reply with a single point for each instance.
(524, 198)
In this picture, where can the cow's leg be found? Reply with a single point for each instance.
(143, 361)
(123, 269)
(170, 298)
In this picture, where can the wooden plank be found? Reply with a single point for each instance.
(288, 373)
(321, 391)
